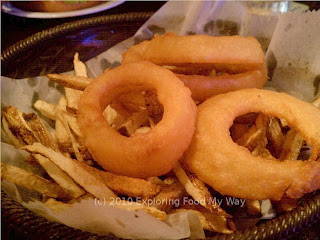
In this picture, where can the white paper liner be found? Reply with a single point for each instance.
(294, 39)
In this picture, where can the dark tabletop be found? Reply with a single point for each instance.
(14, 29)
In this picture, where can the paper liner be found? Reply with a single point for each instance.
(293, 60)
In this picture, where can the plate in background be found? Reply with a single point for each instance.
(10, 9)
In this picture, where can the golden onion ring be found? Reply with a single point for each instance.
(142, 155)
(231, 169)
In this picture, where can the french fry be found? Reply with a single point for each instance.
(133, 187)
(196, 189)
(262, 152)
(130, 102)
(18, 126)
(56, 206)
(39, 130)
(61, 132)
(256, 134)
(70, 81)
(73, 97)
(60, 177)
(79, 67)
(17, 142)
(46, 109)
(135, 121)
(79, 172)
(209, 221)
(253, 207)
(154, 107)
(31, 181)
(169, 195)
(275, 136)
(291, 146)
(74, 143)
(293, 141)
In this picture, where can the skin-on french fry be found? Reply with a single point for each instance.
(256, 134)
(70, 81)
(275, 136)
(31, 181)
(60, 177)
(133, 187)
(46, 109)
(39, 130)
(17, 125)
(196, 189)
(169, 195)
(79, 172)
(17, 142)
(154, 107)
(291, 146)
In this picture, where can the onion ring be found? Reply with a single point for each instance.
(240, 59)
(203, 87)
(231, 169)
(143, 155)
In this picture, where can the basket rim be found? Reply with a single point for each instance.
(35, 225)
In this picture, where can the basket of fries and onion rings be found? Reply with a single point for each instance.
(180, 140)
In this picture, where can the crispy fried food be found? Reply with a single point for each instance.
(256, 135)
(293, 141)
(46, 109)
(79, 172)
(133, 187)
(231, 169)
(70, 81)
(169, 195)
(170, 49)
(39, 130)
(275, 136)
(79, 67)
(31, 181)
(207, 65)
(211, 221)
(60, 177)
(203, 87)
(143, 155)
(196, 189)
(18, 126)
(253, 207)
(291, 146)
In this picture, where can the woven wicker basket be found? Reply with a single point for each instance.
(36, 227)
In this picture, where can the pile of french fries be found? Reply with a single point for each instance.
(73, 175)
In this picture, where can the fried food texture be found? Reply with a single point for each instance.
(207, 65)
(142, 155)
(231, 169)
